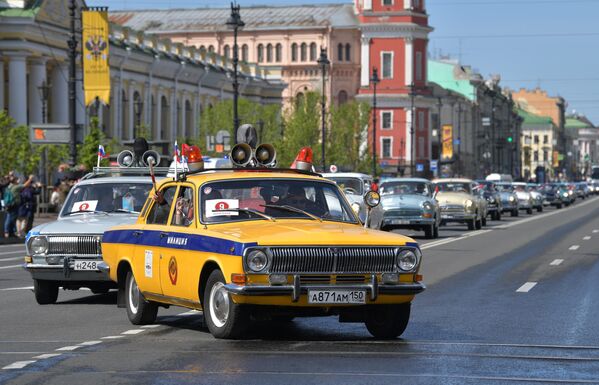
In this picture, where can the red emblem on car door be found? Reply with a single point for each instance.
(172, 270)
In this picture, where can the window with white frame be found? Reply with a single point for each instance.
(387, 65)
(386, 120)
(387, 2)
(386, 148)
(419, 66)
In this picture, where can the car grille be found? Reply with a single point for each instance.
(404, 213)
(452, 209)
(75, 245)
(325, 279)
(332, 259)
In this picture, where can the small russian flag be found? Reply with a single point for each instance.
(101, 152)
(177, 154)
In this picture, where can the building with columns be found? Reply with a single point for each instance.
(391, 35)
(158, 85)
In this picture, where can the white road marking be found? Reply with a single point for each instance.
(10, 267)
(17, 288)
(587, 238)
(90, 343)
(133, 331)
(595, 231)
(556, 262)
(191, 312)
(526, 287)
(48, 355)
(68, 348)
(18, 364)
(150, 326)
(574, 247)
(11, 259)
(13, 252)
(111, 337)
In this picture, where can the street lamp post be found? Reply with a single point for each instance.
(72, 44)
(235, 23)
(439, 136)
(138, 106)
(323, 62)
(44, 90)
(412, 120)
(374, 80)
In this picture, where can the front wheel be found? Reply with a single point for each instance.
(224, 318)
(139, 311)
(529, 211)
(478, 224)
(46, 292)
(559, 206)
(515, 212)
(429, 232)
(484, 220)
(540, 209)
(472, 224)
(388, 321)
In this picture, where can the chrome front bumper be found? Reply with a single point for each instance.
(409, 221)
(373, 288)
(63, 273)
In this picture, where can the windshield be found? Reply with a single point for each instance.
(504, 187)
(277, 198)
(520, 188)
(401, 187)
(454, 187)
(350, 185)
(107, 197)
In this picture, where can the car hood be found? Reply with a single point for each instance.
(453, 198)
(405, 200)
(523, 195)
(84, 224)
(304, 232)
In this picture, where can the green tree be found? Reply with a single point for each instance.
(16, 150)
(87, 152)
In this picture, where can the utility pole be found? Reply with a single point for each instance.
(72, 43)
(413, 115)
(374, 80)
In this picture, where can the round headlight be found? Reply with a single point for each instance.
(257, 261)
(565, 194)
(39, 245)
(407, 260)
(512, 198)
(427, 206)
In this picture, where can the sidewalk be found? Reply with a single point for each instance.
(38, 220)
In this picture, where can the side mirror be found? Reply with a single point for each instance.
(372, 199)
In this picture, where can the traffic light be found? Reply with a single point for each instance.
(510, 139)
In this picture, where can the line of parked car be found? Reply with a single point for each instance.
(423, 205)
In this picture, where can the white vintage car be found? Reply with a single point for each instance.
(355, 185)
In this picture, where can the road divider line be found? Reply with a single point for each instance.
(586, 238)
(191, 312)
(17, 288)
(10, 267)
(11, 259)
(526, 287)
(47, 355)
(556, 262)
(111, 337)
(574, 247)
(133, 331)
(595, 231)
(68, 348)
(150, 326)
(90, 343)
(18, 364)
(13, 252)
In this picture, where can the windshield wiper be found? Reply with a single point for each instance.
(251, 211)
(85, 211)
(124, 211)
(293, 209)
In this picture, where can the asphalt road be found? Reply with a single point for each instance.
(515, 302)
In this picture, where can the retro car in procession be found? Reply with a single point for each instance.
(525, 201)
(407, 203)
(488, 192)
(253, 242)
(556, 195)
(354, 185)
(536, 195)
(460, 202)
(66, 253)
(509, 199)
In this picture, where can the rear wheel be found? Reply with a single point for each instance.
(559, 206)
(484, 220)
(515, 212)
(540, 209)
(139, 311)
(429, 231)
(387, 321)
(436, 231)
(224, 318)
(498, 216)
(46, 292)
(97, 290)
(472, 224)
(479, 223)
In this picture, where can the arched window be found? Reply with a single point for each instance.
(342, 97)
(279, 53)
(137, 111)
(187, 129)
(211, 48)
(227, 51)
(269, 53)
(164, 118)
(124, 115)
(313, 52)
(202, 49)
(153, 120)
(294, 52)
(299, 99)
(260, 53)
(244, 52)
(347, 52)
(340, 52)
(304, 52)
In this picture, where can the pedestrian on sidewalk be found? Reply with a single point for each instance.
(12, 201)
(27, 206)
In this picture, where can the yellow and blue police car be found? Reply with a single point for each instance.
(253, 242)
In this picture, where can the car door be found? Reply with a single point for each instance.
(151, 241)
(180, 267)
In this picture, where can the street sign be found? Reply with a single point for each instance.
(486, 121)
(457, 141)
(333, 168)
(50, 133)
(434, 165)
(419, 167)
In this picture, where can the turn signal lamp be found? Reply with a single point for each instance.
(303, 160)
(238, 279)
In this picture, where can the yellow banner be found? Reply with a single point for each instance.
(447, 138)
(555, 158)
(96, 71)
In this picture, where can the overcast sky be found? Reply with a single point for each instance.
(548, 43)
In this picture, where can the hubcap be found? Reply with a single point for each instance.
(133, 296)
(219, 305)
